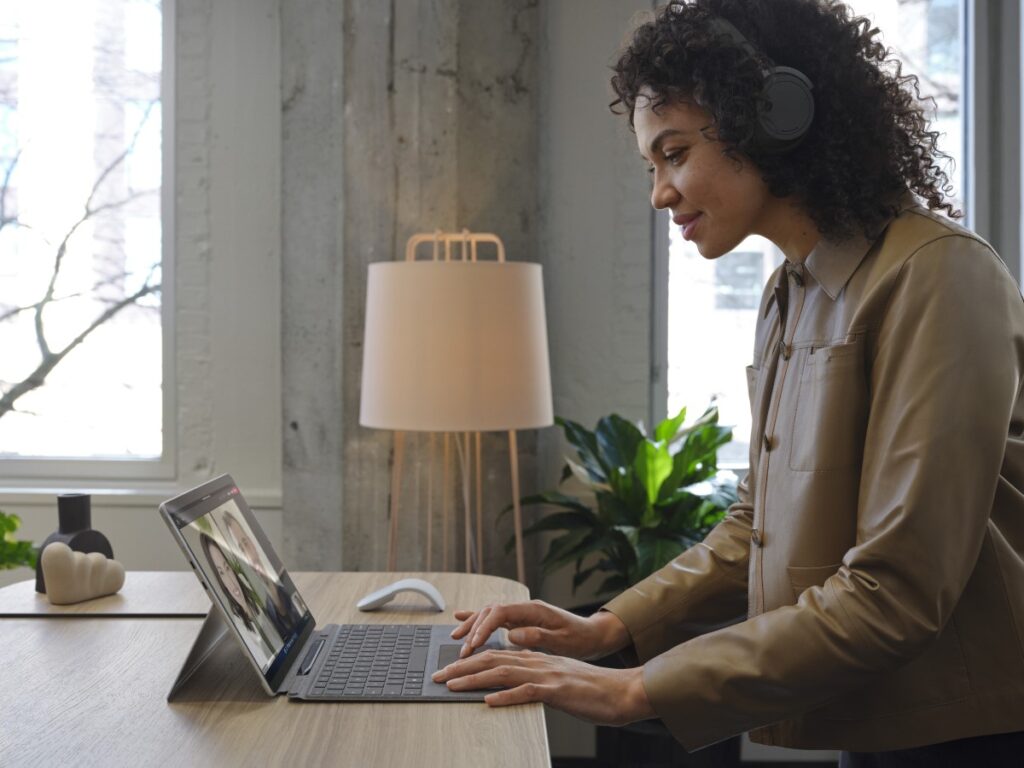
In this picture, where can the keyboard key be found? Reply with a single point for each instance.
(418, 660)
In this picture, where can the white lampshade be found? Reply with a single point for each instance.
(455, 346)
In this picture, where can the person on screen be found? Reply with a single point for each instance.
(866, 592)
(240, 600)
(278, 605)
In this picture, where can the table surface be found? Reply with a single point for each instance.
(90, 688)
(145, 593)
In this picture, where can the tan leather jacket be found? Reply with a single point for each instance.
(878, 546)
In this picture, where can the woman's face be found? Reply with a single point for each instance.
(227, 577)
(246, 547)
(716, 200)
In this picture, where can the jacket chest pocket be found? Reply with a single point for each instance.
(830, 413)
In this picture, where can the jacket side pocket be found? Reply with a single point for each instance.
(802, 577)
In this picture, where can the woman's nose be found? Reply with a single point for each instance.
(663, 194)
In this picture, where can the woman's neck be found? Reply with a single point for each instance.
(791, 229)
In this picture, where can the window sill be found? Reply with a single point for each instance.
(113, 494)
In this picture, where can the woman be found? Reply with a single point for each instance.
(240, 600)
(277, 603)
(877, 550)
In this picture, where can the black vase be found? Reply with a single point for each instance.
(74, 514)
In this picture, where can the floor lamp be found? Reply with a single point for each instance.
(457, 346)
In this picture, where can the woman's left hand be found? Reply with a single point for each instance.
(597, 694)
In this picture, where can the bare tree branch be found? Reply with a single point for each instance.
(88, 213)
(10, 312)
(119, 159)
(50, 360)
(8, 172)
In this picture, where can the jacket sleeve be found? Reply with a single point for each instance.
(946, 371)
(699, 591)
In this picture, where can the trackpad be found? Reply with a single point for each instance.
(449, 652)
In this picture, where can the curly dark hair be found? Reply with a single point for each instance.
(869, 142)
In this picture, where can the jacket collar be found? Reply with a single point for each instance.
(832, 263)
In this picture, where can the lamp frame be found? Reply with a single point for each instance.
(467, 242)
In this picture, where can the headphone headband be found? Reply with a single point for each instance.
(786, 109)
(726, 29)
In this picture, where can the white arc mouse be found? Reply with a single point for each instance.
(375, 600)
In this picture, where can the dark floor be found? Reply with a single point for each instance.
(649, 745)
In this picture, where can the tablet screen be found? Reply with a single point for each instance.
(244, 574)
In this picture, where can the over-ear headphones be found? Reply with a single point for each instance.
(787, 107)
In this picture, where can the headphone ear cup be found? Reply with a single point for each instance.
(788, 109)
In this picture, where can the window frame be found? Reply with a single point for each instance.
(32, 471)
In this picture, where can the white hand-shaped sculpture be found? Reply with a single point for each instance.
(72, 577)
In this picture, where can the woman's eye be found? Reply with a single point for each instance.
(675, 158)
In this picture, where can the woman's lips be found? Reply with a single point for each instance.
(688, 223)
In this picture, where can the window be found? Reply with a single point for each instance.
(711, 306)
(81, 234)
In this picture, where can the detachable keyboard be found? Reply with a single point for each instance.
(374, 660)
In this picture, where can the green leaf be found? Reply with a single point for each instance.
(614, 510)
(564, 547)
(9, 524)
(666, 430)
(653, 465)
(553, 498)
(706, 419)
(618, 440)
(585, 443)
(580, 576)
(14, 553)
(632, 533)
(724, 494)
(585, 476)
(696, 458)
(575, 518)
(568, 521)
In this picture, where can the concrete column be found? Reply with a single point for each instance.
(312, 281)
(422, 116)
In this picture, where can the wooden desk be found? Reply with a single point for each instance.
(91, 690)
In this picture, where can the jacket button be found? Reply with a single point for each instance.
(785, 349)
(767, 442)
(755, 537)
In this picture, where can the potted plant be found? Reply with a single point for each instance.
(14, 553)
(647, 499)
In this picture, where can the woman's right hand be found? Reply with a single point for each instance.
(539, 625)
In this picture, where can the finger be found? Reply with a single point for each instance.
(480, 631)
(507, 674)
(529, 637)
(513, 615)
(466, 627)
(521, 694)
(485, 626)
(467, 619)
(487, 660)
